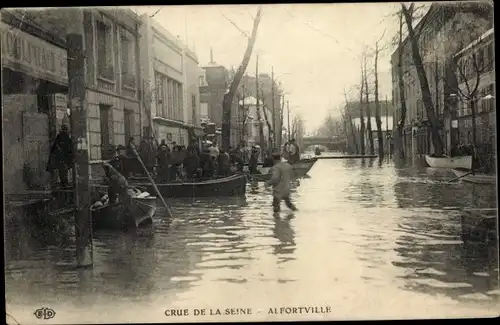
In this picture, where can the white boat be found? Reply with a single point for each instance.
(475, 177)
(449, 162)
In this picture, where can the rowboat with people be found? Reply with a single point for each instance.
(117, 215)
(234, 185)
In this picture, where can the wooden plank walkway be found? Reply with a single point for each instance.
(347, 157)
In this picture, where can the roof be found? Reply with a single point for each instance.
(482, 38)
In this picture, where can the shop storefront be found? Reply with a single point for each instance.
(34, 79)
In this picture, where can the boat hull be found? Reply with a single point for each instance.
(475, 178)
(228, 186)
(449, 162)
(115, 216)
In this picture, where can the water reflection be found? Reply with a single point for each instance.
(286, 235)
(429, 246)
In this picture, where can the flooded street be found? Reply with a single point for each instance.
(368, 241)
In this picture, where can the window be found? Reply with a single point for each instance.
(105, 112)
(204, 111)
(128, 117)
(104, 50)
(127, 49)
(490, 55)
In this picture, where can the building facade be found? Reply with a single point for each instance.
(170, 84)
(34, 59)
(475, 71)
(441, 33)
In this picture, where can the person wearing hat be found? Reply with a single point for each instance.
(61, 155)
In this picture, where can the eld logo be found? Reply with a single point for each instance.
(44, 313)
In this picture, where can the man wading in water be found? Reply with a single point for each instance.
(280, 180)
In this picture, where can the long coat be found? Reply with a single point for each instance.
(282, 173)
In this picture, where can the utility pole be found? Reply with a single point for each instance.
(386, 115)
(259, 119)
(274, 110)
(288, 113)
(78, 121)
(245, 114)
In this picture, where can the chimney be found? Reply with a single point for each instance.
(211, 56)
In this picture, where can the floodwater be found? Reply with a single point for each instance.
(369, 241)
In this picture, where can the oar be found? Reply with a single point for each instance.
(152, 182)
(457, 178)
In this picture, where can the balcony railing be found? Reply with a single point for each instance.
(129, 80)
(107, 72)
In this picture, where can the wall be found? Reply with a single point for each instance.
(216, 77)
(191, 89)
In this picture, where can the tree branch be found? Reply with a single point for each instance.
(236, 26)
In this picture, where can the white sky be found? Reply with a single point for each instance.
(315, 48)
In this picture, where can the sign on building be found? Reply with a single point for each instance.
(33, 56)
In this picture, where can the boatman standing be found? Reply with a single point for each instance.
(282, 173)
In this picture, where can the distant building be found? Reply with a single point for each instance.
(251, 123)
(170, 83)
(248, 86)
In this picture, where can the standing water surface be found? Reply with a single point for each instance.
(369, 241)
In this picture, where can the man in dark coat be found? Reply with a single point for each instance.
(61, 155)
(224, 163)
(254, 160)
(163, 162)
(191, 163)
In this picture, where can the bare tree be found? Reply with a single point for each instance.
(377, 105)
(424, 83)
(398, 137)
(367, 105)
(348, 116)
(228, 97)
(266, 119)
(361, 115)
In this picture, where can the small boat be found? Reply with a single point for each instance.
(479, 225)
(449, 162)
(116, 216)
(234, 185)
(477, 178)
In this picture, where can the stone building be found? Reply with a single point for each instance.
(439, 38)
(170, 83)
(34, 69)
(476, 82)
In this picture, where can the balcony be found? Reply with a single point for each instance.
(129, 80)
(107, 73)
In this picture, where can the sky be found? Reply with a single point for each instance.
(315, 49)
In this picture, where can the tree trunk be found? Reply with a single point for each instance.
(269, 127)
(424, 84)
(361, 115)
(280, 133)
(228, 97)
(399, 152)
(368, 112)
(262, 141)
(377, 111)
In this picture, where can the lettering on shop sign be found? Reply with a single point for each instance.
(33, 54)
